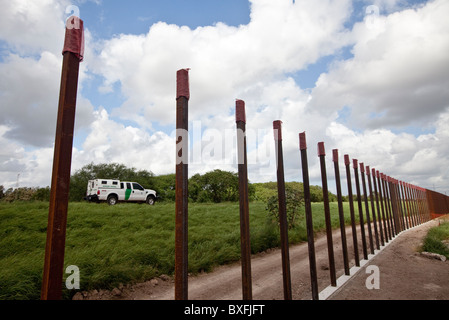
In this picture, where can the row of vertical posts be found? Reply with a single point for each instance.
(402, 205)
(390, 207)
(387, 205)
(438, 203)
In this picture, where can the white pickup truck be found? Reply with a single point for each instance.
(113, 191)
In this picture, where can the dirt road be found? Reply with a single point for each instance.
(404, 274)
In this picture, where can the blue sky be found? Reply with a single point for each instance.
(113, 16)
(371, 85)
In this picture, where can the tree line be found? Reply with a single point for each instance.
(214, 186)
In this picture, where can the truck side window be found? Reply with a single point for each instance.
(137, 186)
(128, 185)
(121, 185)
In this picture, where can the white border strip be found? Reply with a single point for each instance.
(330, 290)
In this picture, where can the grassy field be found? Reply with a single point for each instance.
(128, 243)
(433, 242)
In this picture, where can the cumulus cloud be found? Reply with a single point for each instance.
(397, 77)
(29, 26)
(399, 74)
(109, 140)
(225, 61)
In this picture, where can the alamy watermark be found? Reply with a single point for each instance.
(373, 280)
(225, 146)
(373, 20)
(73, 280)
(73, 20)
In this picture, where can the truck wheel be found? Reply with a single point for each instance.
(150, 200)
(112, 200)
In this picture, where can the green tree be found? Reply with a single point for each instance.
(165, 186)
(216, 186)
(41, 194)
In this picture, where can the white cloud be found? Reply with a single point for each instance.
(29, 26)
(398, 76)
(225, 61)
(29, 98)
(109, 141)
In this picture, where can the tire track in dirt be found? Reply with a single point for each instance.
(224, 283)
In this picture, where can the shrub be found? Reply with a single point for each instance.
(294, 200)
(433, 242)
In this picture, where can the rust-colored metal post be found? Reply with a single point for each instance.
(245, 245)
(370, 189)
(405, 205)
(309, 220)
(421, 194)
(415, 209)
(379, 218)
(401, 208)
(418, 209)
(394, 205)
(368, 219)
(415, 204)
(359, 203)
(181, 189)
(409, 203)
(426, 204)
(327, 214)
(416, 201)
(384, 220)
(340, 212)
(62, 160)
(283, 224)
(351, 211)
(421, 204)
(387, 197)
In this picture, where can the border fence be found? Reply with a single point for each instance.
(391, 206)
(386, 206)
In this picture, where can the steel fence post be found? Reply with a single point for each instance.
(181, 188)
(327, 216)
(359, 202)
(283, 224)
(340, 212)
(243, 199)
(368, 219)
(370, 189)
(62, 159)
(351, 210)
(309, 219)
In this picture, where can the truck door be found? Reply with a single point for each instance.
(138, 193)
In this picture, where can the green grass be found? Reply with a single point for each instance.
(433, 240)
(128, 243)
